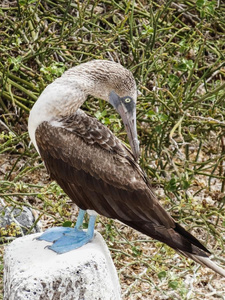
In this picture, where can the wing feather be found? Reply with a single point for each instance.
(99, 173)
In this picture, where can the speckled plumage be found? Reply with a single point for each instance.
(96, 170)
(99, 173)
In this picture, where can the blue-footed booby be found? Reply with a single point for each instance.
(93, 167)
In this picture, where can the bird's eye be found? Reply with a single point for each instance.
(127, 100)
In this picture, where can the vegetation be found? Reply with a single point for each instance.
(175, 50)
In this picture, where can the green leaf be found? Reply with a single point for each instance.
(85, 225)
(162, 274)
(136, 251)
(200, 3)
(173, 284)
(173, 80)
(184, 65)
(98, 115)
(163, 117)
(67, 224)
(171, 186)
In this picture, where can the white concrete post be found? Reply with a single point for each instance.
(33, 272)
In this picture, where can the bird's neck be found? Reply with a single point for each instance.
(61, 98)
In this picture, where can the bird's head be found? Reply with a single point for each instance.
(126, 107)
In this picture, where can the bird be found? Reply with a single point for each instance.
(98, 172)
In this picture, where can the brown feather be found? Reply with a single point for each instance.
(99, 173)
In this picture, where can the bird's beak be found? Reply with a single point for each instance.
(129, 121)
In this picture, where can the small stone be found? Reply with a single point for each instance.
(16, 222)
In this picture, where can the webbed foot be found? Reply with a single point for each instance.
(53, 234)
(66, 239)
(74, 239)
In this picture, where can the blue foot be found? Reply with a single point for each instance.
(66, 239)
(53, 234)
(70, 241)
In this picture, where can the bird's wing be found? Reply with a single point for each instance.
(97, 172)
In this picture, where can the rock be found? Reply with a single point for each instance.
(16, 222)
(33, 272)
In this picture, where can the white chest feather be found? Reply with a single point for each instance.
(58, 99)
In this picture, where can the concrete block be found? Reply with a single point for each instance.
(33, 272)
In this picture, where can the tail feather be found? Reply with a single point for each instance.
(180, 240)
(190, 238)
(205, 261)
